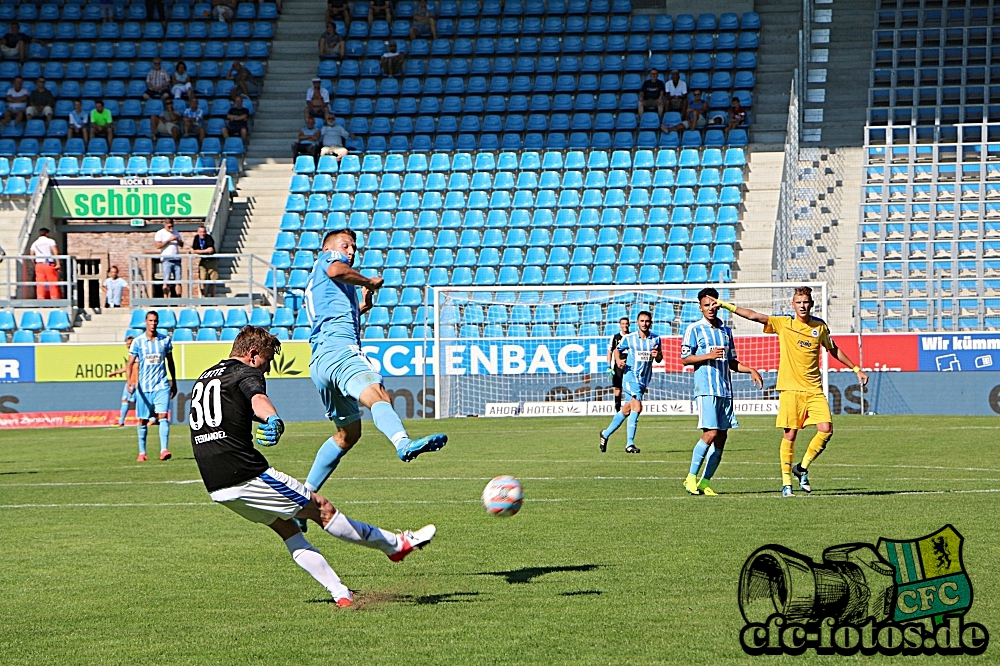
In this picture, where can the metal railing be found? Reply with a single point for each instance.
(147, 286)
(34, 205)
(19, 287)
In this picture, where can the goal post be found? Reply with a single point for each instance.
(543, 350)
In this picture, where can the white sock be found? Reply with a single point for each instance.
(316, 565)
(354, 531)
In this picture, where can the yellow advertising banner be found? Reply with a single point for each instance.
(89, 363)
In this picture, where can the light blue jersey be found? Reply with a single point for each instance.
(710, 377)
(640, 356)
(332, 307)
(152, 358)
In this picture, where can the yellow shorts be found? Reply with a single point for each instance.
(798, 409)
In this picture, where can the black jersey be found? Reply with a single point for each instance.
(615, 341)
(221, 421)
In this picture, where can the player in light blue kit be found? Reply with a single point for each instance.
(342, 373)
(153, 352)
(643, 349)
(708, 346)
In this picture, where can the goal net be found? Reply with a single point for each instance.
(544, 350)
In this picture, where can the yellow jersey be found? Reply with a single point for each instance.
(798, 369)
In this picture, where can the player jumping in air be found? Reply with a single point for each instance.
(708, 346)
(616, 371)
(153, 352)
(802, 402)
(225, 401)
(643, 350)
(128, 395)
(342, 373)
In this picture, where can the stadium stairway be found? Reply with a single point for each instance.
(757, 237)
(259, 205)
(106, 326)
(777, 57)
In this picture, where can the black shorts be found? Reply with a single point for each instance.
(616, 378)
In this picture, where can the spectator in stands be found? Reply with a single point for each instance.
(15, 43)
(155, 10)
(107, 11)
(79, 122)
(180, 81)
(208, 271)
(422, 23)
(113, 288)
(194, 119)
(331, 43)
(677, 92)
(40, 102)
(223, 10)
(317, 100)
(46, 266)
(652, 94)
(169, 243)
(17, 102)
(737, 115)
(379, 10)
(332, 138)
(308, 141)
(247, 83)
(392, 60)
(157, 82)
(101, 122)
(237, 119)
(697, 108)
(338, 9)
(167, 123)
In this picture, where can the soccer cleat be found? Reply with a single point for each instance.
(705, 490)
(786, 491)
(691, 484)
(165, 455)
(604, 443)
(345, 602)
(412, 540)
(632, 449)
(141, 458)
(423, 445)
(303, 524)
(802, 475)
(117, 425)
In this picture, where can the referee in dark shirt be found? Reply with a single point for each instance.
(617, 371)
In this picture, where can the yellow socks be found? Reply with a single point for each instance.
(787, 457)
(816, 446)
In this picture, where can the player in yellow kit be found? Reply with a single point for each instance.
(800, 381)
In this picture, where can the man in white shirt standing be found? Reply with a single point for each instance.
(46, 267)
(114, 286)
(169, 243)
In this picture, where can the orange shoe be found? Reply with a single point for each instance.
(141, 458)
(411, 540)
(345, 602)
(164, 455)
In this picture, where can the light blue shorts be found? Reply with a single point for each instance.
(126, 396)
(631, 388)
(340, 376)
(716, 413)
(150, 403)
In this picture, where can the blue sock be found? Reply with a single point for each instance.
(388, 422)
(121, 419)
(633, 421)
(714, 458)
(615, 424)
(141, 430)
(327, 459)
(164, 434)
(698, 456)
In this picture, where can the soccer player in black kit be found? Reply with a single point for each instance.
(225, 401)
(617, 371)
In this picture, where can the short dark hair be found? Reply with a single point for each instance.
(644, 312)
(337, 232)
(44, 231)
(708, 291)
(622, 319)
(153, 313)
(254, 337)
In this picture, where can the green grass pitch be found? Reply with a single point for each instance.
(105, 560)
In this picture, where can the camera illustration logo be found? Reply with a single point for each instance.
(899, 597)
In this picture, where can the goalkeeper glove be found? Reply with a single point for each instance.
(269, 432)
(726, 306)
(611, 371)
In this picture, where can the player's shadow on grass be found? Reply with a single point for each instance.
(372, 599)
(527, 574)
(582, 593)
(28, 472)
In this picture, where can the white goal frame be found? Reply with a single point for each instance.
(437, 296)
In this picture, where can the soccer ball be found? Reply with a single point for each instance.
(503, 496)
